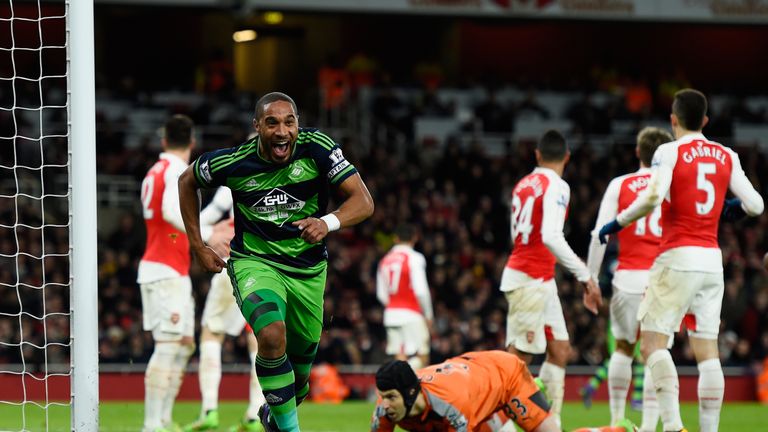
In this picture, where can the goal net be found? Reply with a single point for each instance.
(46, 292)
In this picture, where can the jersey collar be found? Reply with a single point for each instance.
(172, 158)
(693, 136)
(401, 246)
(545, 170)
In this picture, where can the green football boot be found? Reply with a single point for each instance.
(543, 389)
(208, 422)
(627, 425)
(173, 427)
(248, 425)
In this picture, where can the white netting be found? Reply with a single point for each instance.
(35, 248)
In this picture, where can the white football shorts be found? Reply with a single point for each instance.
(409, 339)
(672, 294)
(168, 308)
(534, 314)
(624, 323)
(220, 313)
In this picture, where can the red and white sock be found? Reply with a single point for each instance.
(650, 404)
(711, 390)
(553, 377)
(178, 368)
(209, 374)
(157, 382)
(619, 377)
(667, 386)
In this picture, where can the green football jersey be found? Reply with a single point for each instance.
(267, 197)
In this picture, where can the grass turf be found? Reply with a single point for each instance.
(346, 417)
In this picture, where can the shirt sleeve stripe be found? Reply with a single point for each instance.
(225, 164)
(196, 170)
(324, 140)
(228, 158)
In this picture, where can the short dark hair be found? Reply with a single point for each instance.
(272, 97)
(178, 131)
(648, 140)
(690, 107)
(405, 232)
(552, 146)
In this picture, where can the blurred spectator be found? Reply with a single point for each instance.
(529, 106)
(638, 98)
(669, 84)
(429, 74)
(587, 117)
(333, 83)
(493, 115)
(361, 70)
(216, 76)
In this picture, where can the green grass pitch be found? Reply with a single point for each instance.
(346, 417)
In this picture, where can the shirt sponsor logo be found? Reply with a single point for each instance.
(638, 184)
(278, 206)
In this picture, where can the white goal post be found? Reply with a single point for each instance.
(49, 369)
(84, 321)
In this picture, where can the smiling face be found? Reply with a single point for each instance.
(278, 128)
(393, 404)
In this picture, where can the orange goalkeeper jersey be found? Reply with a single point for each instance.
(464, 392)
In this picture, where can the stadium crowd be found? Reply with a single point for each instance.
(455, 192)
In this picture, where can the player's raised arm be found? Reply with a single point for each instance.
(189, 203)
